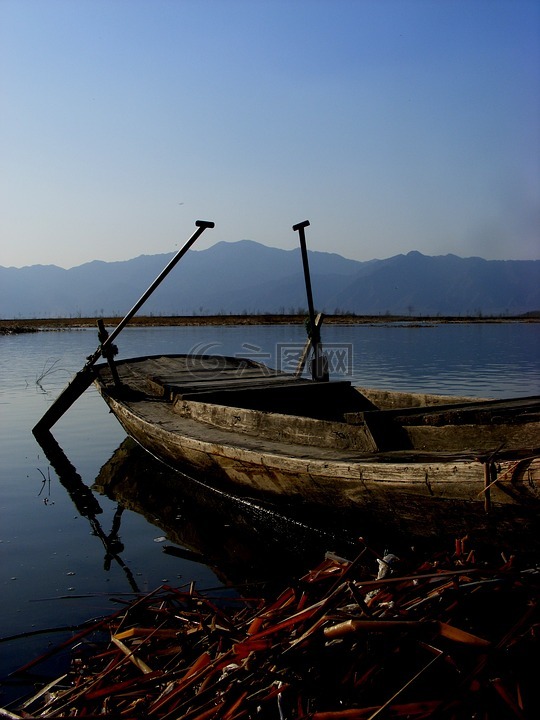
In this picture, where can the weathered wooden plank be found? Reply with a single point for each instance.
(394, 399)
(279, 427)
(295, 389)
(474, 436)
(494, 410)
(185, 373)
(187, 384)
(207, 374)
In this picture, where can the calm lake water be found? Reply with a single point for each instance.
(69, 553)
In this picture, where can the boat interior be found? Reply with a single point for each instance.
(243, 395)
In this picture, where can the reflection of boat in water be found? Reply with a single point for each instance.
(243, 541)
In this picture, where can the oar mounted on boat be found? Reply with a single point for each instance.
(319, 364)
(84, 377)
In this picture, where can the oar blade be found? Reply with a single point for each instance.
(70, 394)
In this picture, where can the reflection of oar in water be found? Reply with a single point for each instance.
(84, 377)
(86, 503)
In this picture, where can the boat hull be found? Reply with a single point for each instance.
(417, 495)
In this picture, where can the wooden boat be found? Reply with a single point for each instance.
(424, 465)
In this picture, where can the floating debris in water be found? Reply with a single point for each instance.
(448, 637)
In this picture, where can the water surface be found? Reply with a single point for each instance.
(62, 563)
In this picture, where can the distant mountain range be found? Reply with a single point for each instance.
(246, 277)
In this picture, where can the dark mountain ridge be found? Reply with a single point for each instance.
(246, 277)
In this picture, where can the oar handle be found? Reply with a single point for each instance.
(201, 225)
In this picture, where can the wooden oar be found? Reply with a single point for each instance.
(84, 377)
(319, 370)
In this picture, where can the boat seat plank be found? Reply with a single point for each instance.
(240, 384)
(495, 411)
(222, 380)
(205, 373)
(175, 374)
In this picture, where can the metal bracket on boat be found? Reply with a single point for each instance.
(109, 352)
(490, 476)
(307, 347)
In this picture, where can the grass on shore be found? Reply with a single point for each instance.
(14, 326)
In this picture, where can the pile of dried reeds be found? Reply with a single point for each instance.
(451, 638)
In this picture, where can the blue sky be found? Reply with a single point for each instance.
(392, 125)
